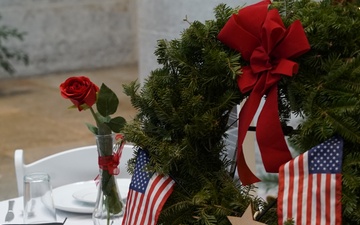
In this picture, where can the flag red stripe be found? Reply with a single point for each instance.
(332, 200)
(291, 189)
(309, 196)
(327, 199)
(338, 200)
(318, 199)
(127, 200)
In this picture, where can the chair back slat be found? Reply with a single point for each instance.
(70, 166)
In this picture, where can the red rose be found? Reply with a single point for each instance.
(80, 91)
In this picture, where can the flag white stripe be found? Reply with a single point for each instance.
(332, 199)
(313, 199)
(295, 186)
(286, 191)
(305, 187)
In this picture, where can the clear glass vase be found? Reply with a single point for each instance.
(109, 207)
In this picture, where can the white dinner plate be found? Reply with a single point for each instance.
(64, 196)
(89, 193)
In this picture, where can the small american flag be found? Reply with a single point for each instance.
(147, 194)
(310, 186)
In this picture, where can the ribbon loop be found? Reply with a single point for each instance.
(260, 60)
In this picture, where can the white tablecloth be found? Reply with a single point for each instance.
(72, 218)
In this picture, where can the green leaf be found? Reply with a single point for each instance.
(103, 119)
(72, 107)
(116, 124)
(84, 106)
(107, 101)
(92, 128)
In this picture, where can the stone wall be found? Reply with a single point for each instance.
(68, 35)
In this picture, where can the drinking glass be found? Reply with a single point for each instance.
(38, 200)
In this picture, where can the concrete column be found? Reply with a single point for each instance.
(163, 19)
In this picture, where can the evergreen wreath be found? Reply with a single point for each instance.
(184, 108)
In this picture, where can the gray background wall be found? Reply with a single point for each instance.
(69, 35)
(163, 19)
(66, 35)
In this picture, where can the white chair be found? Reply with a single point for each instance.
(74, 165)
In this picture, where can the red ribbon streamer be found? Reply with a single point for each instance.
(262, 39)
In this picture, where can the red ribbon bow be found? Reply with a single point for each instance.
(262, 39)
(111, 162)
